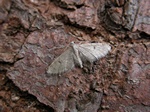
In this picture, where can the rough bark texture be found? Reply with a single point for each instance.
(34, 32)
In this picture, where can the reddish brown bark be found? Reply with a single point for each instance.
(34, 32)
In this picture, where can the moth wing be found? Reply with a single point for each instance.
(93, 51)
(63, 63)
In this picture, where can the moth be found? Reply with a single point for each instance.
(77, 54)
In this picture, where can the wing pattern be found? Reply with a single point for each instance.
(93, 51)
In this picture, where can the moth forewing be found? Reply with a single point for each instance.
(93, 51)
(103, 49)
(62, 64)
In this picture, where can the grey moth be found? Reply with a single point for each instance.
(77, 54)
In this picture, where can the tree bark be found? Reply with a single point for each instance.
(35, 32)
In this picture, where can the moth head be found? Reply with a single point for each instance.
(72, 43)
